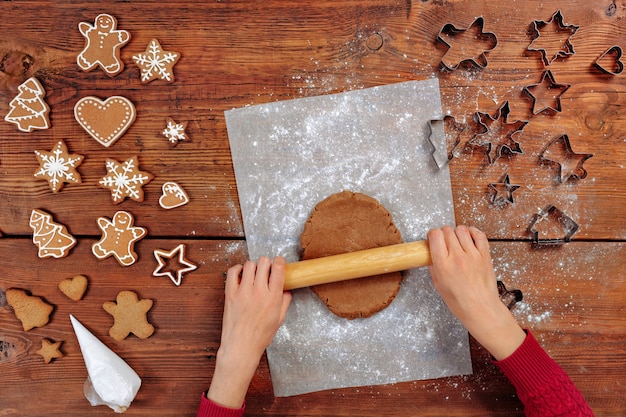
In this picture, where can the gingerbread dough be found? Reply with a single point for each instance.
(347, 222)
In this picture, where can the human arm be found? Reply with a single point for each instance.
(255, 306)
(463, 274)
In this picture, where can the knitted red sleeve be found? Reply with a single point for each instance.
(208, 408)
(541, 384)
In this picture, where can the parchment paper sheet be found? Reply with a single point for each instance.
(290, 155)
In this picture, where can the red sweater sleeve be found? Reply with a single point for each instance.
(208, 408)
(541, 384)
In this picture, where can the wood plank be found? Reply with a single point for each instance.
(572, 296)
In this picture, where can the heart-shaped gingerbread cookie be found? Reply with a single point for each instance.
(106, 121)
(75, 287)
(173, 196)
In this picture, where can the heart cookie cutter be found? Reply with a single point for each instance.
(615, 66)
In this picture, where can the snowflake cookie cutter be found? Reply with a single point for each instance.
(460, 50)
(561, 36)
(610, 62)
(551, 227)
(501, 137)
(543, 93)
(559, 151)
(509, 297)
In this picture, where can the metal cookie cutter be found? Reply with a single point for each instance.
(551, 226)
(610, 62)
(509, 297)
(558, 47)
(444, 150)
(502, 192)
(466, 45)
(498, 132)
(547, 94)
(559, 151)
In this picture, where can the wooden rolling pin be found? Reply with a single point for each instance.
(357, 264)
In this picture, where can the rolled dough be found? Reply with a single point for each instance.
(348, 222)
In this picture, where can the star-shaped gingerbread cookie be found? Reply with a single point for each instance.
(129, 314)
(155, 63)
(125, 180)
(175, 132)
(58, 166)
(50, 350)
(163, 257)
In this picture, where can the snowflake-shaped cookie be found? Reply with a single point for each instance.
(125, 180)
(156, 63)
(175, 132)
(58, 166)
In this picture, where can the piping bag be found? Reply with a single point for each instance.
(111, 381)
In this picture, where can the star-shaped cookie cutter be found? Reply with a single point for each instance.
(610, 62)
(502, 192)
(550, 222)
(565, 46)
(544, 91)
(500, 138)
(559, 151)
(162, 256)
(451, 36)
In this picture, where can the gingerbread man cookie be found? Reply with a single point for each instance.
(129, 313)
(118, 238)
(102, 45)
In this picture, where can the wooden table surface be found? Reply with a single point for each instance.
(240, 53)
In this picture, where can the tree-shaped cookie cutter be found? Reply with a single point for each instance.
(610, 62)
(466, 45)
(551, 226)
(561, 31)
(444, 151)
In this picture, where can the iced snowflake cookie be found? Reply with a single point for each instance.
(155, 63)
(125, 180)
(173, 196)
(58, 166)
(129, 314)
(29, 111)
(175, 132)
(118, 238)
(31, 310)
(105, 120)
(52, 239)
(102, 45)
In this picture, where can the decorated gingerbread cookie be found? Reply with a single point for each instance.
(58, 166)
(175, 132)
(125, 180)
(155, 63)
(118, 238)
(102, 45)
(28, 110)
(31, 310)
(166, 258)
(105, 120)
(129, 314)
(52, 239)
(173, 196)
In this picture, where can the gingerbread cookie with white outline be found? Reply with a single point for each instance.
(102, 45)
(105, 120)
(29, 111)
(52, 239)
(58, 166)
(125, 180)
(118, 238)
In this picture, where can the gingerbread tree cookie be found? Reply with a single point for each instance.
(29, 111)
(52, 239)
(50, 350)
(102, 45)
(125, 180)
(129, 314)
(31, 310)
(58, 166)
(118, 238)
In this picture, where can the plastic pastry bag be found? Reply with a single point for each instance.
(111, 381)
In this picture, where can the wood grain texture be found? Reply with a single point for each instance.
(241, 53)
